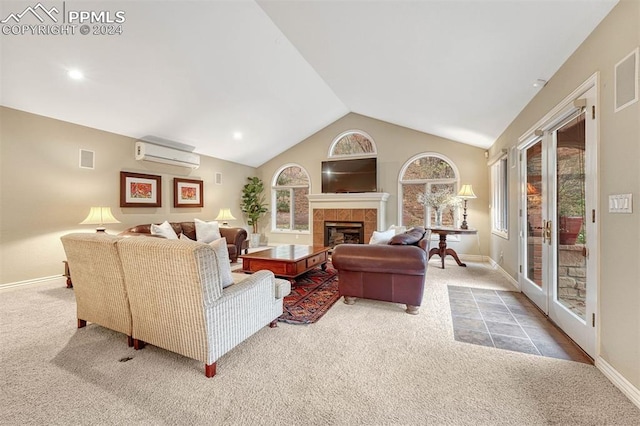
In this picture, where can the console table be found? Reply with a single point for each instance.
(442, 248)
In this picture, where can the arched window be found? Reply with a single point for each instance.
(352, 143)
(427, 173)
(289, 202)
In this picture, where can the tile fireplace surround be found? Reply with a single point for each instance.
(367, 207)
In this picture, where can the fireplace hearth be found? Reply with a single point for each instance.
(343, 233)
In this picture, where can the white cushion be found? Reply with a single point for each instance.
(382, 237)
(184, 237)
(398, 229)
(164, 230)
(207, 232)
(224, 264)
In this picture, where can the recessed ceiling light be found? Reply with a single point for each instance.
(75, 74)
(237, 135)
(539, 83)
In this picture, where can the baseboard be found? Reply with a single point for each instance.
(473, 257)
(498, 268)
(630, 391)
(35, 281)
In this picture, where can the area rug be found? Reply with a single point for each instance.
(311, 296)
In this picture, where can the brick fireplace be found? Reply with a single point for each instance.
(366, 208)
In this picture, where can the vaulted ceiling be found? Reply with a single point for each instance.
(272, 73)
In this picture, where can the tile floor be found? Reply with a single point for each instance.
(507, 320)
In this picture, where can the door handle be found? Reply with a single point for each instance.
(547, 231)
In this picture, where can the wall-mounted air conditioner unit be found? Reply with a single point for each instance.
(164, 154)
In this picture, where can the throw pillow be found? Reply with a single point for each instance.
(184, 237)
(398, 229)
(411, 237)
(164, 230)
(207, 232)
(224, 264)
(382, 237)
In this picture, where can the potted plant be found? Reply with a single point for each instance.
(253, 206)
(570, 220)
(569, 228)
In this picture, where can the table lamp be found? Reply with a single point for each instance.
(466, 193)
(99, 216)
(225, 216)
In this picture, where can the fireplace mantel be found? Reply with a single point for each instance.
(373, 199)
(354, 201)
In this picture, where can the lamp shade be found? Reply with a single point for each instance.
(99, 216)
(466, 192)
(225, 215)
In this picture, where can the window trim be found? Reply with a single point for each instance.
(500, 195)
(350, 132)
(275, 188)
(455, 181)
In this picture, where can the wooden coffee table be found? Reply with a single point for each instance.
(287, 261)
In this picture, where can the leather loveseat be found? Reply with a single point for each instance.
(392, 272)
(235, 236)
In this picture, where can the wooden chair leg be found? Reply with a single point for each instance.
(412, 310)
(210, 370)
(274, 323)
(138, 344)
(130, 341)
(81, 323)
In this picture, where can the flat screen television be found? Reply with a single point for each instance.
(343, 176)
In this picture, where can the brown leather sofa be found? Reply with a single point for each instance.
(235, 236)
(393, 272)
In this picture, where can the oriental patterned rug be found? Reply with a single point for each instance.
(311, 296)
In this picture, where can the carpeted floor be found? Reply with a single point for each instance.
(365, 364)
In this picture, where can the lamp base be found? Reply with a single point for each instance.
(464, 217)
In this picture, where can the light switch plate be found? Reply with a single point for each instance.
(621, 203)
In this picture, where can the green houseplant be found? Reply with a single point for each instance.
(253, 206)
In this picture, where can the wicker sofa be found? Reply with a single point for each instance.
(392, 272)
(174, 294)
(236, 237)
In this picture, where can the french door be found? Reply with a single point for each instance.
(558, 233)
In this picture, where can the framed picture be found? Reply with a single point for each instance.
(140, 190)
(187, 193)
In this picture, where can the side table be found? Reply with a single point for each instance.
(442, 250)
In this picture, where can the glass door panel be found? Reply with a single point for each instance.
(533, 210)
(571, 241)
